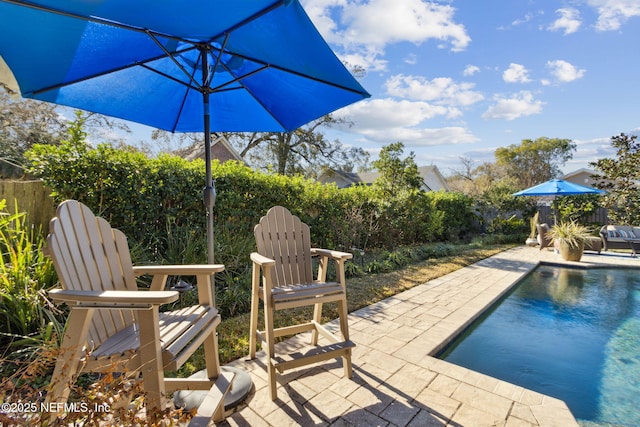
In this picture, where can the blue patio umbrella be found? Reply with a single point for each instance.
(558, 187)
(178, 65)
(181, 66)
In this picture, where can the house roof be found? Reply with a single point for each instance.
(581, 176)
(431, 177)
(221, 149)
(578, 172)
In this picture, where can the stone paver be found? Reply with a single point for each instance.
(396, 381)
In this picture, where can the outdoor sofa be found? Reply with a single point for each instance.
(620, 236)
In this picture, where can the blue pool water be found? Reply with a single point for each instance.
(568, 333)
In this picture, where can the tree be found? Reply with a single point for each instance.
(475, 181)
(304, 151)
(25, 123)
(397, 175)
(619, 177)
(535, 161)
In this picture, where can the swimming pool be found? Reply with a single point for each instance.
(569, 333)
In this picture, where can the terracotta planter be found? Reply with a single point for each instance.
(570, 253)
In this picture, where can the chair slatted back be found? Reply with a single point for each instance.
(90, 255)
(282, 237)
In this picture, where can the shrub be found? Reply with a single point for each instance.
(455, 218)
(374, 267)
(353, 270)
(511, 225)
(26, 315)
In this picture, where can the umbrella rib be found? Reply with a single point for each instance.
(163, 74)
(253, 17)
(90, 19)
(186, 93)
(287, 70)
(171, 56)
(223, 87)
(239, 81)
(205, 51)
(110, 71)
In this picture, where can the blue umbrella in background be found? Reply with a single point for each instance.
(558, 187)
(178, 65)
(181, 66)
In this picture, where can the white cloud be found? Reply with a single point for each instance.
(613, 13)
(370, 61)
(386, 112)
(516, 73)
(470, 70)
(529, 16)
(441, 90)
(381, 22)
(564, 71)
(519, 105)
(588, 151)
(569, 21)
(411, 59)
(421, 137)
(389, 120)
(364, 28)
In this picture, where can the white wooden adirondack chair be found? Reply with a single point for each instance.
(115, 327)
(284, 258)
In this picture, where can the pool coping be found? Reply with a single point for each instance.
(397, 381)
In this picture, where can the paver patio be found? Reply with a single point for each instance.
(396, 381)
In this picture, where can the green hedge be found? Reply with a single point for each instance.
(143, 196)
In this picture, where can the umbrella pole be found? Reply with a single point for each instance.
(209, 189)
(241, 383)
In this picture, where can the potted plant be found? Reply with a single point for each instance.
(569, 238)
(532, 241)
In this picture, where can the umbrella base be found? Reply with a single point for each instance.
(240, 389)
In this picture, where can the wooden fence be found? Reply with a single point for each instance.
(32, 197)
(600, 216)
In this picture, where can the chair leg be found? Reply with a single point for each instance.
(269, 336)
(255, 303)
(211, 357)
(317, 317)
(70, 354)
(344, 330)
(151, 357)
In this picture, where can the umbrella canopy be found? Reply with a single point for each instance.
(185, 66)
(262, 62)
(557, 187)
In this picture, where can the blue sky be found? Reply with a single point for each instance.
(461, 78)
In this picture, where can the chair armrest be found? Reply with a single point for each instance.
(337, 255)
(178, 270)
(262, 260)
(161, 273)
(115, 299)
